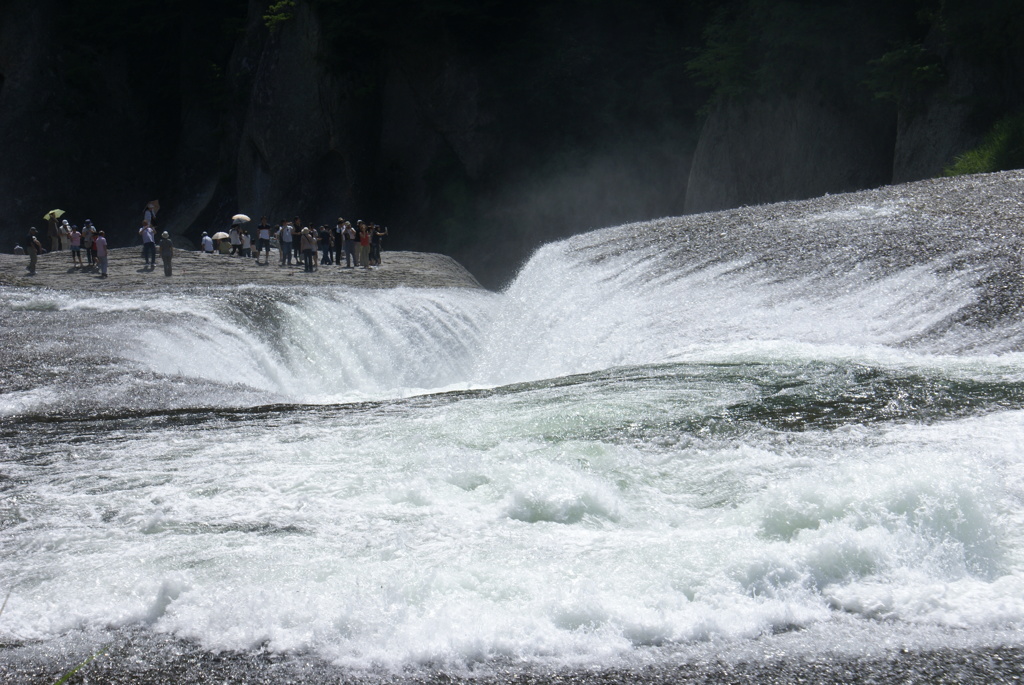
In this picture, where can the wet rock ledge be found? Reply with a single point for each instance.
(126, 272)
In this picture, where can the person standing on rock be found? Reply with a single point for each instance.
(53, 233)
(296, 242)
(284, 243)
(308, 246)
(235, 237)
(166, 252)
(76, 247)
(339, 240)
(246, 244)
(364, 245)
(148, 244)
(375, 243)
(263, 241)
(350, 245)
(88, 236)
(34, 249)
(324, 240)
(101, 253)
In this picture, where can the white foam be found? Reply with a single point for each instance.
(406, 535)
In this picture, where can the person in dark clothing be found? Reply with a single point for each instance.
(166, 252)
(34, 249)
(53, 233)
(324, 238)
(88, 236)
(338, 234)
(375, 240)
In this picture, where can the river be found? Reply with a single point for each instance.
(785, 429)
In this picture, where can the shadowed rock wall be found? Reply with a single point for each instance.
(480, 142)
(787, 148)
(73, 134)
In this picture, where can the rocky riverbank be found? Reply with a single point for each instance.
(127, 273)
(135, 658)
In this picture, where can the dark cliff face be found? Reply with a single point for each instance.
(480, 131)
(104, 107)
(788, 148)
(73, 133)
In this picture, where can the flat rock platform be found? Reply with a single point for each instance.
(126, 272)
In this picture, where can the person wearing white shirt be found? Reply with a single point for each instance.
(264, 240)
(148, 244)
(284, 237)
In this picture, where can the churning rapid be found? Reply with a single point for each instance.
(797, 424)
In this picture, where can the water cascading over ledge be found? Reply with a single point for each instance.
(782, 430)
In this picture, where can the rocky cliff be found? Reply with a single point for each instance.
(72, 131)
(787, 148)
(479, 131)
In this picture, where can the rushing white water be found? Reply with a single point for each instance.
(628, 451)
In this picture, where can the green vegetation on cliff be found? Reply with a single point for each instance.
(1002, 150)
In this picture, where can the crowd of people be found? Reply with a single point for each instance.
(345, 245)
(311, 247)
(88, 239)
(93, 242)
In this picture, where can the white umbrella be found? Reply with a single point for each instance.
(240, 219)
(220, 236)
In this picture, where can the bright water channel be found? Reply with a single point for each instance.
(799, 425)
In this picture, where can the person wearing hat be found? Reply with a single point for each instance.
(64, 233)
(207, 243)
(308, 246)
(166, 252)
(34, 249)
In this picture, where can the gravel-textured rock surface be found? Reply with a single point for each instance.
(137, 658)
(127, 272)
